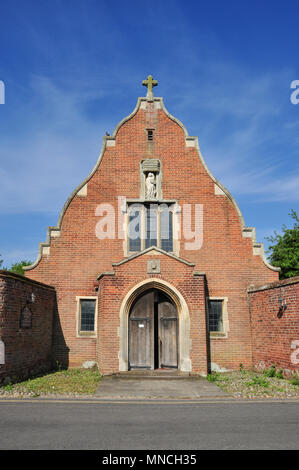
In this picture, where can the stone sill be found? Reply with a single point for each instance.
(87, 334)
(217, 335)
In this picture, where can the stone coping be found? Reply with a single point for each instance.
(18, 277)
(273, 285)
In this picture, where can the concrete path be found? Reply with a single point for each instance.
(138, 387)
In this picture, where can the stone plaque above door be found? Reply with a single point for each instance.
(153, 266)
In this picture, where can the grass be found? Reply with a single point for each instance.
(249, 384)
(63, 382)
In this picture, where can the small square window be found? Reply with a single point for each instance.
(150, 134)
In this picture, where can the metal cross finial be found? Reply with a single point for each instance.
(150, 83)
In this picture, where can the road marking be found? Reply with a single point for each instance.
(148, 402)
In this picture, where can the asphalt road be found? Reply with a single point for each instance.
(82, 425)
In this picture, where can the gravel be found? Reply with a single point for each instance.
(247, 384)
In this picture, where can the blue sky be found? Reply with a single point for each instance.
(73, 69)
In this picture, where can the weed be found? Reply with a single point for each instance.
(58, 366)
(257, 380)
(273, 372)
(270, 372)
(279, 374)
(213, 377)
(295, 380)
(9, 387)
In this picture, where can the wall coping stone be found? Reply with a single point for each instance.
(273, 285)
(9, 274)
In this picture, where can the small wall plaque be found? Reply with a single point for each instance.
(153, 266)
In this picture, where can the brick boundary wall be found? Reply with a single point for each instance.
(27, 311)
(274, 312)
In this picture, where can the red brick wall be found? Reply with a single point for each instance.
(77, 256)
(27, 350)
(275, 332)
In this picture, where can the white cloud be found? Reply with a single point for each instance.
(247, 133)
(43, 163)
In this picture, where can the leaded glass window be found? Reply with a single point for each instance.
(215, 315)
(166, 230)
(135, 230)
(151, 226)
(87, 314)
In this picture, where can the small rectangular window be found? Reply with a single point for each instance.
(87, 314)
(150, 135)
(215, 315)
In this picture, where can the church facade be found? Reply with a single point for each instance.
(151, 259)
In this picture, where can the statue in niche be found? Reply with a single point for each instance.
(150, 184)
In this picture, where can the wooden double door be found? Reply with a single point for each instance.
(153, 332)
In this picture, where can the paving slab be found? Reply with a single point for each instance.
(157, 388)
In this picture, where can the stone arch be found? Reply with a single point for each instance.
(184, 343)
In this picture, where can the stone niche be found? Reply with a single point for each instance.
(150, 174)
(26, 318)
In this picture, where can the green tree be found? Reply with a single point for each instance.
(18, 267)
(284, 249)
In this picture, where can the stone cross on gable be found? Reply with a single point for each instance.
(150, 83)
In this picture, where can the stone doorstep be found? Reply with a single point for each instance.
(146, 386)
(165, 374)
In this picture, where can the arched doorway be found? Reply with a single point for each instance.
(183, 328)
(153, 332)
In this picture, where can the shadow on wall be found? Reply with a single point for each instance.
(208, 340)
(60, 350)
